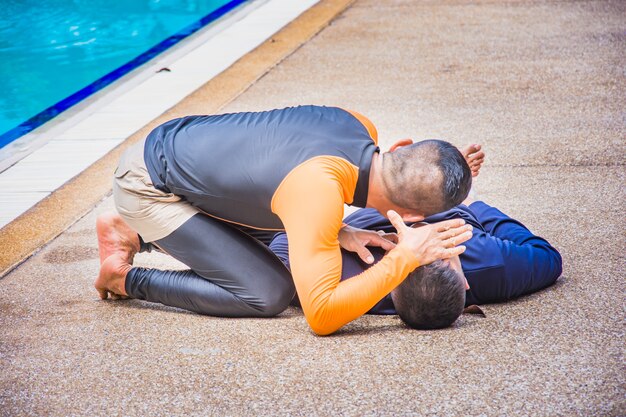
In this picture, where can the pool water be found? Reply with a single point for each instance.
(54, 53)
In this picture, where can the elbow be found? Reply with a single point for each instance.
(553, 265)
(321, 329)
(557, 264)
(320, 326)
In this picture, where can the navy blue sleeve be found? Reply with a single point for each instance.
(369, 219)
(280, 246)
(529, 263)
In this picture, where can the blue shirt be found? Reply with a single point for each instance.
(503, 259)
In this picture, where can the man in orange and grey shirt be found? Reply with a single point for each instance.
(211, 190)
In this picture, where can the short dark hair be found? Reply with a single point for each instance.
(431, 297)
(430, 176)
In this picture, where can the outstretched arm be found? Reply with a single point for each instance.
(529, 262)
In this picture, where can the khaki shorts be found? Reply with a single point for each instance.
(152, 213)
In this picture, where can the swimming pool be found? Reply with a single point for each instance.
(55, 53)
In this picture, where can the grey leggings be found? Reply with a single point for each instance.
(232, 273)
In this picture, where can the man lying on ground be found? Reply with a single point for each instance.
(502, 260)
(209, 189)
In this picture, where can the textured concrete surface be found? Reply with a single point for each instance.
(541, 84)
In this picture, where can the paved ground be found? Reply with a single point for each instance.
(540, 84)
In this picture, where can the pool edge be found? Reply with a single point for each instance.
(46, 220)
(68, 102)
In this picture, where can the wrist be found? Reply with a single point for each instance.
(408, 254)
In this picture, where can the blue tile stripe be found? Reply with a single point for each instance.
(102, 82)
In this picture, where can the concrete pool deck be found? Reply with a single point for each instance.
(540, 84)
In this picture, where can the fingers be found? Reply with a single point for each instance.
(476, 163)
(450, 252)
(392, 237)
(456, 233)
(396, 221)
(471, 152)
(470, 149)
(463, 237)
(457, 239)
(475, 158)
(383, 243)
(365, 255)
(447, 225)
(476, 166)
(379, 239)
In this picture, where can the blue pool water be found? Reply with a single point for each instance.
(54, 53)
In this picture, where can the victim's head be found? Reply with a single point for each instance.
(432, 296)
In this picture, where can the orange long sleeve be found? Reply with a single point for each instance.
(309, 202)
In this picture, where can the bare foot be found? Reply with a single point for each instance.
(112, 277)
(474, 157)
(116, 237)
